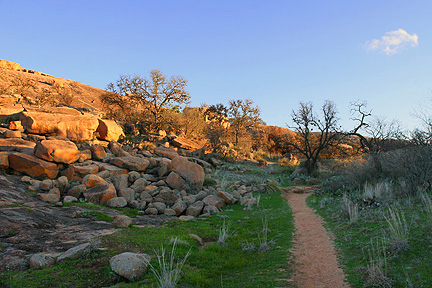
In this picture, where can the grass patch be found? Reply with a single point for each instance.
(210, 265)
(375, 249)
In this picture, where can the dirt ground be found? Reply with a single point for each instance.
(314, 252)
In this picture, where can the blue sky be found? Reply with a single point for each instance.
(276, 53)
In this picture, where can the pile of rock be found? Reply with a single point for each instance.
(156, 182)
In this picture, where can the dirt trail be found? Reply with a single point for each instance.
(314, 251)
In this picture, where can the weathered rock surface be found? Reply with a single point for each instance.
(17, 144)
(76, 252)
(109, 130)
(57, 151)
(41, 260)
(130, 265)
(100, 193)
(75, 128)
(32, 166)
(131, 163)
(184, 143)
(192, 173)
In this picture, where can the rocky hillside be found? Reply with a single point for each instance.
(30, 86)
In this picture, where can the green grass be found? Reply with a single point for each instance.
(210, 265)
(407, 266)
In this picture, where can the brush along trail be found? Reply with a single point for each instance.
(316, 262)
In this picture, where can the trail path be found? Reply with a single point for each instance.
(316, 262)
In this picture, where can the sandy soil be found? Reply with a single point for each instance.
(314, 251)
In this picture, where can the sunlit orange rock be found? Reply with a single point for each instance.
(58, 151)
(32, 166)
(109, 130)
(192, 173)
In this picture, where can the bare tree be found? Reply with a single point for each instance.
(376, 135)
(314, 134)
(154, 94)
(242, 116)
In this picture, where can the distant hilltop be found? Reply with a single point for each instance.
(17, 67)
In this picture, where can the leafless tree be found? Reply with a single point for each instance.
(376, 135)
(153, 95)
(314, 134)
(242, 115)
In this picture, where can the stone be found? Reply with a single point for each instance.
(10, 111)
(4, 160)
(210, 209)
(170, 212)
(35, 138)
(187, 144)
(175, 181)
(146, 197)
(17, 144)
(192, 173)
(195, 209)
(166, 152)
(109, 130)
(41, 260)
(100, 193)
(62, 181)
(133, 176)
(215, 201)
(85, 155)
(93, 180)
(49, 197)
(9, 65)
(117, 149)
(32, 166)
(78, 172)
(77, 191)
(228, 198)
(16, 125)
(179, 207)
(98, 153)
(189, 199)
(58, 151)
(70, 199)
(120, 181)
(186, 218)
(166, 196)
(151, 211)
(46, 184)
(76, 252)
(139, 185)
(130, 162)
(74, 127)
(159, 206)
(116, 202)
(130, 265)
(12, 134)
(122, 221)
(112, 169)
(127, 193)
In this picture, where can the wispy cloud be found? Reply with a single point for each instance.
(392, 42)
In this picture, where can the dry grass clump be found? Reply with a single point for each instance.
(399, 233)
(273, 186)
(224, 234)
(168, 272)
(375, 273)
(350, 209)
(378, 194)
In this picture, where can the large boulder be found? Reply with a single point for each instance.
(78, 172)
(109, 130)
(130, 265)
(4, 160)
(166, 152)
(32, 166)
(100, 193)
(16, 144)
(184, 143)
(192, 173)
(10, 111)
(58, 151)
(75, 128)
(131, 163)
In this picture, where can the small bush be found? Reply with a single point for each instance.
(376, 269)
(273, 186)
(398, 230)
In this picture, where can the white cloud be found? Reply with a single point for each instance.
(392, 42)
